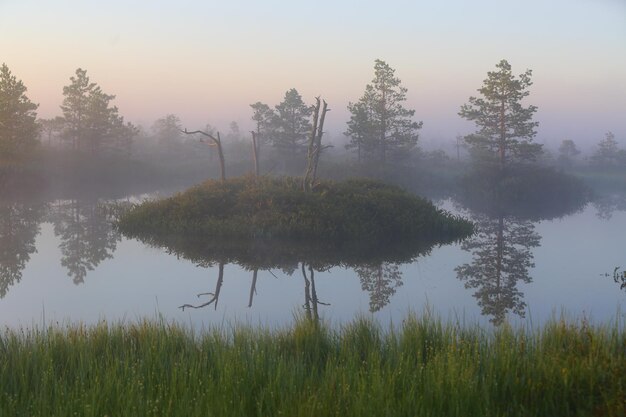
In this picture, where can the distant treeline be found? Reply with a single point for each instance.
(91, 142)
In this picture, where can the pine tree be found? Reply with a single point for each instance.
(607, 154)
(263, 117)
(505, 128)
(18, 127)
(291, 125)
(380, 127)
(567, 152)
(89, 118)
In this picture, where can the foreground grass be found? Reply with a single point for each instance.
(424, 368)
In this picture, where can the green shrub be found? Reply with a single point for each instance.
(266, 207)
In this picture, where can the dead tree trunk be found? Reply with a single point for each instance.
(216, 141)
(255, 153)
(318, 147)
(315, 145)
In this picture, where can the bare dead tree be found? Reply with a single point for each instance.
(255, 153)
(315, 144)
(319, 148)
(215, 141)
(214, 295)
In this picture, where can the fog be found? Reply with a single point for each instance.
(508, 115)
(207, 63)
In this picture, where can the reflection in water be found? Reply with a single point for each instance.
(377, 265)
(608, 204)
(19, 226)
(255, 274)
(504, 205)
(619, 276)
(87, 238)
(380, 281)
(214, 296)
(311, 301)
(501, 258)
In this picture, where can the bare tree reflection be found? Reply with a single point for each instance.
(381, 282)
(619, 276)
(253, 286)
(501, 259)
(311, 301)
(19, 226)
(87, 238)
(215, 296)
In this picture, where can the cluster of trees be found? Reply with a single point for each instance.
(90, 122)
(381, 129)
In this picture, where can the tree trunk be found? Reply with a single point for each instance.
(255, 154)
(311, 148)
(318, 146)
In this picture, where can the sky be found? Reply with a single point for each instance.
(207, 61)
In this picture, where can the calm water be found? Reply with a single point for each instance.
(62, 262)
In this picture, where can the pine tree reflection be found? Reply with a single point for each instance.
(381, 281)
(87, 238)
(504, 207)
(502, 258)
(606, 205)
(19, 226)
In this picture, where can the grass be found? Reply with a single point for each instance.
(270, 208)
(424, 367)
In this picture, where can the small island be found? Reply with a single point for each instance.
(279, 208)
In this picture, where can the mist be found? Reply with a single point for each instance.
(204, 197)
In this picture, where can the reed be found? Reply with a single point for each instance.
(423, 367)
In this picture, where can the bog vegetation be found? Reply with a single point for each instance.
(423, 367)
(251, 207)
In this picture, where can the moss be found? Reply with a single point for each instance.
(277, 208)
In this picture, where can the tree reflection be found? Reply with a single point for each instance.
(619, 276)
(214, 296)
(87, 237)
(608, 204)
(503, 207)
(381, 282)
(376, 264)
(501, 259)
(19, 226)
(311, 301)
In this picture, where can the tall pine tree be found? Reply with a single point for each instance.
(380, 127)
(505, 127)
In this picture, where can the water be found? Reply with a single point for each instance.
(61, 262)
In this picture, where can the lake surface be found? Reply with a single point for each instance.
(63, 262)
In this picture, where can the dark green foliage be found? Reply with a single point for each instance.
(423, 368)
(380, 127)
(278, 208)
(18, 130)
(290, 124)
(505, 127)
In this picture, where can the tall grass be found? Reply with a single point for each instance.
(424, 367)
